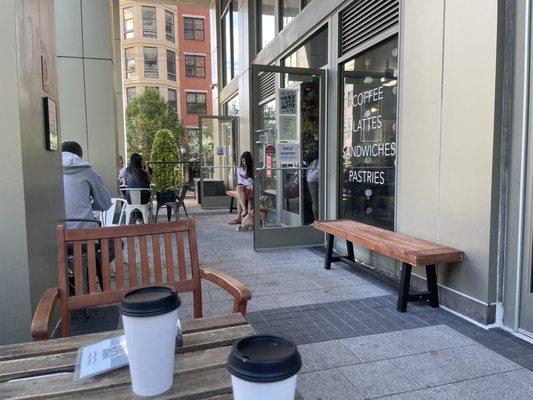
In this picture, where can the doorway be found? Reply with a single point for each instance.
(287, 136)
(218, 149)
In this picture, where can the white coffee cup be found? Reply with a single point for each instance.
(150, 316)
(264, 367)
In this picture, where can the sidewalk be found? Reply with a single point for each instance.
(354, 343)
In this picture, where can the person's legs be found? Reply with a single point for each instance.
(242, 202)
(238, 219)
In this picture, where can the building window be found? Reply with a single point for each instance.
(194, 28)
(156, 88)
(169, 26)
(171, 65)
(231, 107)
(173, 100)
(289, 10)
(150, 62)
(312, 54)
(368, 153)
(149, 22)
(266, 20)
(196, 103)
(230, 40)
(131, 92)
(128, 22)
(195, 66)
(129, 61)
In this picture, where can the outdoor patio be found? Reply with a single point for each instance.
(354, 343)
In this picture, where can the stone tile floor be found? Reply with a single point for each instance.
(354, 344)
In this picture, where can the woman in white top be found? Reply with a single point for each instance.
(245, 187)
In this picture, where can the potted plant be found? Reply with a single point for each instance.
(166, 175)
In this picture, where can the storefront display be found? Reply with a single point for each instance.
(368, 157)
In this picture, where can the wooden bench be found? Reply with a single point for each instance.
(233, 195)
(407, 249)
(161, 257)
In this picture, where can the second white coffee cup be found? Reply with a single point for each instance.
(150, 315)
(264, 368)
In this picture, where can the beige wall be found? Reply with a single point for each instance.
(445, 166)
(86, 82)
(31, 177)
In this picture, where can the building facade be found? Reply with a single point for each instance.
(166, 46)
(412, 116)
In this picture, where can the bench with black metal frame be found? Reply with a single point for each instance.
(409, 250)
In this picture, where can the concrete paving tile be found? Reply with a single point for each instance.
(331, 282)
(434, 368)
(432, 338)
(446, 392)
(524, 378)
(327, 385)
(298, 285)
(325, 355)
(380, 378)
(494, 387)
(376, 347)
(479, 360)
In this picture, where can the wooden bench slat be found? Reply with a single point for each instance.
(65, 362)
(396, 245)
(33, 349)
(199, 370)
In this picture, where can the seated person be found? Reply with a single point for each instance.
(245, 187)
(137, 176)
(84, 188)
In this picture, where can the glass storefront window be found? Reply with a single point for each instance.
(266, 22)
(231, 108)
(312, 54)
(368, 156)
(289, 9)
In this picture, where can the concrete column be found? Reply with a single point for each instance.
(86, 82)
(30, 177)
(119, 95)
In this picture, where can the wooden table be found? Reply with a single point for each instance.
(410, 250)
(199, 368)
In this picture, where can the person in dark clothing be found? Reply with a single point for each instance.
(137, 176)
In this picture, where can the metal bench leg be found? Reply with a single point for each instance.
(329, 251)
(351, 254)
(231, 205)
(403, 295)
(431, 275)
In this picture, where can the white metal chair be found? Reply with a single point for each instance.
(134, 203)
(107, 218)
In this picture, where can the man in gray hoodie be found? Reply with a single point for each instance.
(84, 188)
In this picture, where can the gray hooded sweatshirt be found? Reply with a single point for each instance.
(84, 191)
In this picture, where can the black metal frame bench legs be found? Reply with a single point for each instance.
(432, 295)
(231, 206)
(404, 297)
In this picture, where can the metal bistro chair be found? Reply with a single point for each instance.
(133, 197)
(175, 205)
(107, 218)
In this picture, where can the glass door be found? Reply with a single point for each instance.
(217, 159)
(287, 137)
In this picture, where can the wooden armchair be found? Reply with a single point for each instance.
(167, 265)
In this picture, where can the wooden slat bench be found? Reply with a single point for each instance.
(407, 249)
(233, 195)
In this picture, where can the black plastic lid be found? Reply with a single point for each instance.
(149, 301)
(264, 359)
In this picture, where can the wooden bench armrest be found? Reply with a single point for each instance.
(240, 293)
(43, 314)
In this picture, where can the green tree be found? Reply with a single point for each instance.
(147, 114)
(166, 175)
